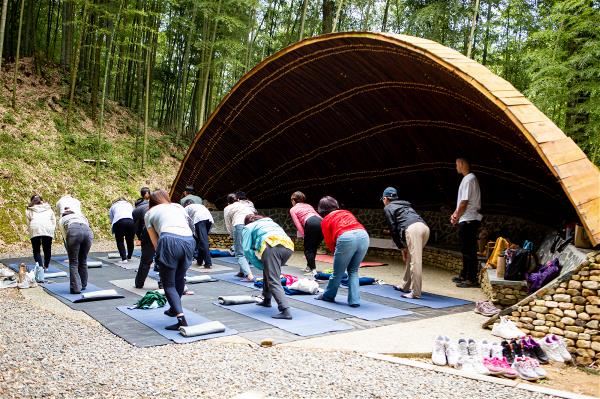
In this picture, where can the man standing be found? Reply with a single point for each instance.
(141, 207)
(468, 218)
(409, 232)
(188, 194)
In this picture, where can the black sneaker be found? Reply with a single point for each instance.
(517, 347)
(457, 279)
(170, 312)
(507, 352)
(467, 284)
(240, 274)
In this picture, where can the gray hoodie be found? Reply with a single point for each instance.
(40, 220)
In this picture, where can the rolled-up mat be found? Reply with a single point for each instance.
(100, 294)
(199, 279)
(303, 323)
(114, 255)
(94, 263)
(64, 291)
(237, 299)
(210, 327)
(157, 320)
(428, 300)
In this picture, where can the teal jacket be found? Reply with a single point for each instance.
(254, 236)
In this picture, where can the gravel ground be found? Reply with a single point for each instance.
(45, 354)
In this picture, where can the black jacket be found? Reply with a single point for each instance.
(138, 219)
(399, 215)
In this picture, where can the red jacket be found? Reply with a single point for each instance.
(337, 223)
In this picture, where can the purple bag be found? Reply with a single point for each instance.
(543, 275)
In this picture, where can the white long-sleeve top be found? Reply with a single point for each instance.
(120, 210)
(235, 214)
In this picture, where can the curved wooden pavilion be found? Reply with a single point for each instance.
(348, 114)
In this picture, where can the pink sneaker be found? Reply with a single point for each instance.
(493, 365)
(507, 370)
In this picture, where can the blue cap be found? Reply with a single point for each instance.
(390, 192)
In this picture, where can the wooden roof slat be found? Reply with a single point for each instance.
(559, 152)
(544, 131)
(580, 167)
(582, 190)
(528, 113)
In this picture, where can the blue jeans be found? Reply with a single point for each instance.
(350, 249)
(174, 255)
(239, 250)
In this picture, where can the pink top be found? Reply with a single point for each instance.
(300, 214)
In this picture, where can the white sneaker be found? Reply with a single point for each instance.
(123, 262)
(6, 272)
(476, 359)
(466, 364)
(506, 329)
(486, 349)
(562, 348)
(438, 355)
(552, 349)
(524, 369)
(496, 350)
(472, 347)
(452, 354)
(535, 365)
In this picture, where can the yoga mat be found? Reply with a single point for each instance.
(303, 323)
(367, 310)
(199, 279)
(157, 320)
(227, 259)
(51, 271)
(329, 259)
(60, 258)
(219, 253)
(91, 264)
(428, 300)
(63, 290)
(214, 268)
(231, 278)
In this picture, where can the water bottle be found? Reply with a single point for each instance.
(39, 273)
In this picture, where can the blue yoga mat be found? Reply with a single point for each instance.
(30, 267)
(157, 320)
(218, 253)
(428, 300)
(227, 259)
(303, 323)
(231, 278)
(63, 290)
(367, 310)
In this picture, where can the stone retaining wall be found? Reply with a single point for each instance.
(568, 307)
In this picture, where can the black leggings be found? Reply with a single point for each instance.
(313, 235)
(467, 235)
(46, 243)
(202, 246)
(124, 229)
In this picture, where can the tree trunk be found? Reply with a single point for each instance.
(385, 16)
(14, 96)
(473, 27)
(327, 23)
(104, 84)
(2, 27)
(202, 106)
(302, 19)
(336, 21)
(75, 65)
(486, 42)
(186, 62)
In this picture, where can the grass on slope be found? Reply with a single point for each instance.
(38, 154)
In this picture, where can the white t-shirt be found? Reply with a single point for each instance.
(120, 210)
(469, 191)
(198, 212)
(168, 218)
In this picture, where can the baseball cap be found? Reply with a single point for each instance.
(390, 192)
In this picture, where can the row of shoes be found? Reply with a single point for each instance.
(490, 358)
(486, 308)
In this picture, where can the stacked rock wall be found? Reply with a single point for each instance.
(569, 307)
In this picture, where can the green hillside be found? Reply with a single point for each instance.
(39, 155)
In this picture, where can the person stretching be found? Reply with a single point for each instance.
(308, 224)
(200, 222)
(41, 222)
(262, 237)
(121, 218)
(349, 242)
(141, 207)
(168, 229)
(78, 238)
(234, 215)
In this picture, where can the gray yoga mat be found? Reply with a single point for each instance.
(428, 300)
(30, 267)
(229, 300)
(63, 290)
(231, 278)
(367, 310)
(91, 264)
(227, 259)
(303, 323)
(157, 320)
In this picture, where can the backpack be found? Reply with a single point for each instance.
(518, 263)
(544, 275)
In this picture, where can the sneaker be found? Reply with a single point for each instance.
(307, 270)
(486, 308)
(467, 284)
(466, 364)
(525, 370)
(506, 329)
(507, 352)
(476, 358)
(486, 349)
(472, 347)
(410, 295)
(457, 279)
(507, 370)
(496, 350)
(552, 349)
(438, 355)
(451, 353)
(463, 350)
(240, 274)
(535, 365)
(123, 262)
(562, 348)
(517, 347)
(536, 350)
(493, 366)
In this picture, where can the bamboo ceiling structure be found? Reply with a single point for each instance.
(348, 114)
